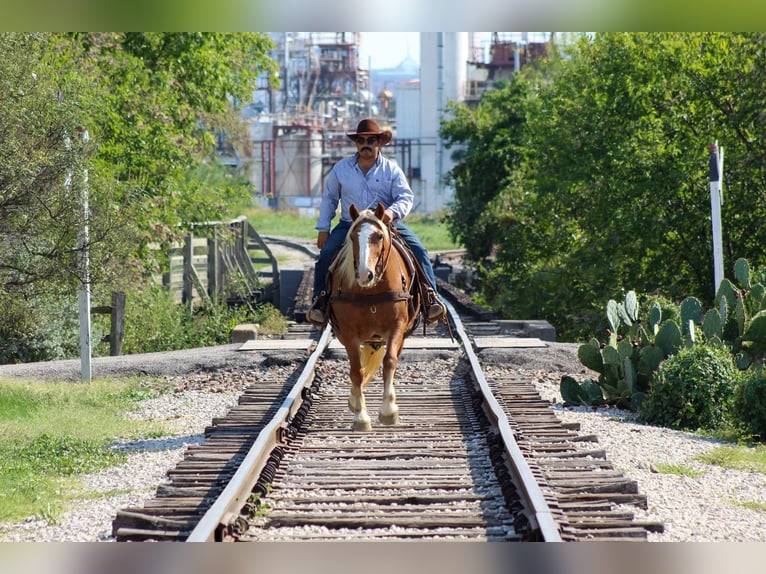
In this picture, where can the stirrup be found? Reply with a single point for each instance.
(317, 317)
(318, 310)
(435, 311)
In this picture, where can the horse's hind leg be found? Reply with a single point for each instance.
(389, 410)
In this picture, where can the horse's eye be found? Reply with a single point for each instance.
(377, 237)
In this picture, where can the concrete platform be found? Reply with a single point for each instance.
(277, 344)
(507, 342)
(308, 344)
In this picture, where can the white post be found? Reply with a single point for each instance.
(84, 294)
(715, 161)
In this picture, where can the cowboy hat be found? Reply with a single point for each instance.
(370, 127)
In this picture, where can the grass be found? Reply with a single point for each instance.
(430, 228)
(738, 457)
(51, 432)
(677, 469)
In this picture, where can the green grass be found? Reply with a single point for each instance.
(52, 432)
(751, 459)
(430, 228)
(677, 469)
(740, 457)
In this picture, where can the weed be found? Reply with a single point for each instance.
(752, 459)
(677, 469)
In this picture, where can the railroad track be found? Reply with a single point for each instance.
(470, 459)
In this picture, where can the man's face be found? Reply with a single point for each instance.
(367, 146)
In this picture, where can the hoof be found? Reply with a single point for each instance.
(391, 419)
(362, 426)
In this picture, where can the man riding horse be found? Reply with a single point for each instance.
(366, 179)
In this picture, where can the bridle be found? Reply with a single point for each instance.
(380, 266)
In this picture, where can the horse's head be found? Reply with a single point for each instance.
(370, 242)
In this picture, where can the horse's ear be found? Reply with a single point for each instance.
(379, 211)
(353, 212)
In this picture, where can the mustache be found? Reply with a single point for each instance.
(366, 147)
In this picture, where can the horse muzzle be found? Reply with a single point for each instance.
(364, 276)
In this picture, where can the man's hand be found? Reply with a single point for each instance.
(388, 216)
(322, 238)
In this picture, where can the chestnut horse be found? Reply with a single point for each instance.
(373, 307)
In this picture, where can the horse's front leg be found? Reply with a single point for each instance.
(389, 410)
(356, 398)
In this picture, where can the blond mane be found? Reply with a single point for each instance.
(344, 263)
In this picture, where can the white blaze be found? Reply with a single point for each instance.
(365, 273)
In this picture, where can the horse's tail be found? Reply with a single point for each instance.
(372, 357)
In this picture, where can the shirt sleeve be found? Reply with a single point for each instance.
(402, 194)
(329, 204)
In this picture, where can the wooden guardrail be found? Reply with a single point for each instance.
(222, 259)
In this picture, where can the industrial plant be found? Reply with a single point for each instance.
(298, 128)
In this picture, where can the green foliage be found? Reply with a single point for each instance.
(64, 455)
(487, 149)
(739, 319)
(41, 160)
(587, 393)
(154, 321)
(627, 361)
(750, 404)
(677, 469)
(692, 390)
(44, 328)
(603, 178)
(739, 335)
(154, 106)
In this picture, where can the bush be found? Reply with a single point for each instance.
(692, 390)
(43, 328)
(750, 404)
(154, 321)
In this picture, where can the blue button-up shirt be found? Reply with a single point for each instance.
(384, 182)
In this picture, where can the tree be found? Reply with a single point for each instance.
(488, 141)
(152, 104)
(41, 161)
(612, 193)
(161, 99)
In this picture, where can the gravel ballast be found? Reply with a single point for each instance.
(709, 506)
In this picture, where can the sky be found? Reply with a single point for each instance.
(387, 49)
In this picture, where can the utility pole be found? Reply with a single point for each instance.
(83, 248)
(715, 162)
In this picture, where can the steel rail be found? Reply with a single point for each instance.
(541, 515)
(234, 496)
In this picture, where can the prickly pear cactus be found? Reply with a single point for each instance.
(626, 362)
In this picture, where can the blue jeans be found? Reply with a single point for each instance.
(338, 236)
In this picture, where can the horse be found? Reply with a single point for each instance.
(374, 305)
